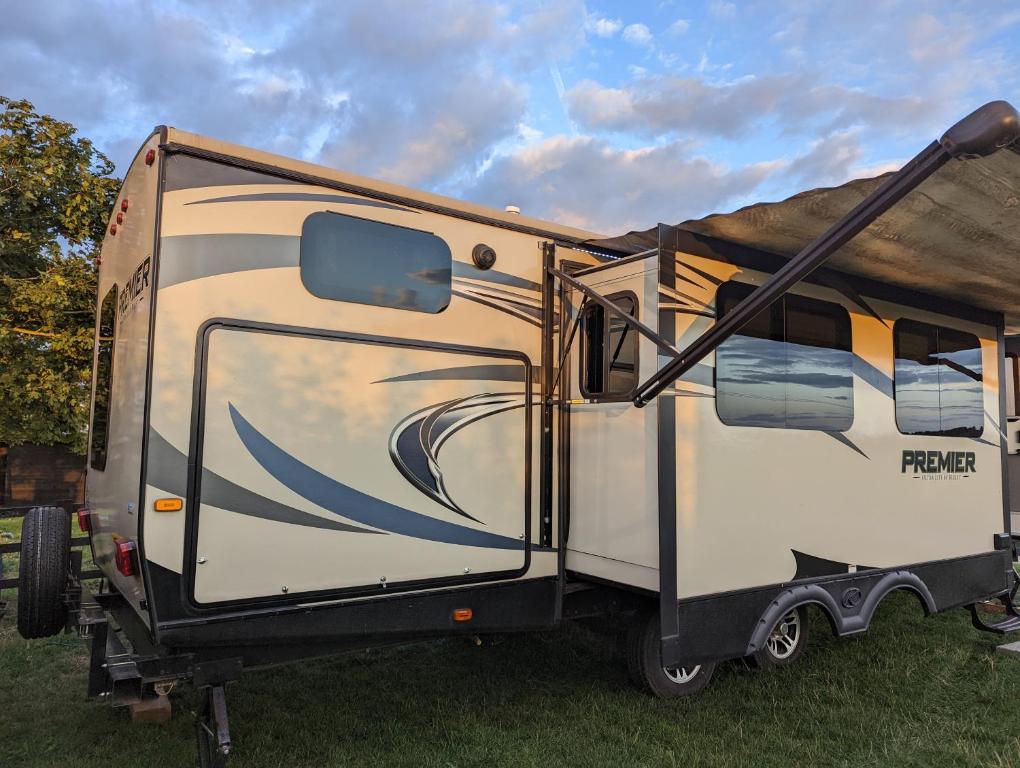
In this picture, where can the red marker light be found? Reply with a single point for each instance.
(150, 157)
(120, 218)
(84, 520)
(125, 557)
(113, 229)
(124, 205)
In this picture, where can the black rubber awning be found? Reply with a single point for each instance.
(955, 236)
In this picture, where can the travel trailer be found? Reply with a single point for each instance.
(330, 412)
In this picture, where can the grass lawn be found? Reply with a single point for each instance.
(912, 692)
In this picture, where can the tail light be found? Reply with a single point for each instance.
(125, 557)
(84, 520)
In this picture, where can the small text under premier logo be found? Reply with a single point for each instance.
(935, 465)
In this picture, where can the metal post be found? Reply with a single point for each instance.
(666, 468)
(546, 422)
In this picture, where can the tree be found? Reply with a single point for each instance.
(56, 192)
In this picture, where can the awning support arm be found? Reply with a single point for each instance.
(984, 131)
(567, 342)
(633, 322)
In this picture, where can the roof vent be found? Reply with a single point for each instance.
(513, 209)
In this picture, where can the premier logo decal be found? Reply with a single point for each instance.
(133, 288)
(931, 465)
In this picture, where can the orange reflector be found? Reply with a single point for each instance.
(462, 614)
(168, 505)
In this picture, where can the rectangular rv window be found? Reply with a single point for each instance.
(609, 350)
(345, 258)
(105, 333)
(790, 367)
(938, 380)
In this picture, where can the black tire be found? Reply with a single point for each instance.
(644, 663)
(42, 574)
(787, 641)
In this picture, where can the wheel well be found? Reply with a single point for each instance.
(910, 589)
(842, 622)
(816, 606)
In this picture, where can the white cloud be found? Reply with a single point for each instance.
(586, 182)
(449, 94)
(637, 34)
(600, 26)
(667, 105)
(828, 161)
(421, 97)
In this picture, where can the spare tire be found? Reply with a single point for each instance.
(42, 573)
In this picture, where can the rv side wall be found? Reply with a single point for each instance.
(764, 505)
(794, 460)
(126, 287)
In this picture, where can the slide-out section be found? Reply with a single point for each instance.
(381, 465)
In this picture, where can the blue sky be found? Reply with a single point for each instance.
(607, 115)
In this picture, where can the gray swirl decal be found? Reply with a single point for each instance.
(416, 441)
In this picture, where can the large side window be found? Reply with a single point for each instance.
(106, 332)
(609, 350)
(790, 367)
(367, 262)
(937, 380)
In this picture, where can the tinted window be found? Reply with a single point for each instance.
(789, 367)
(367, 262)
(609, 350)
(938, 380)
(104, 380)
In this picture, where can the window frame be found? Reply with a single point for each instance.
(1014, 375)
(777, 311)
(98, 454)
(582, 380)
(319, 293)
(899, 323)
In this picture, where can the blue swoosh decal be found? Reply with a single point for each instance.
(353, 504)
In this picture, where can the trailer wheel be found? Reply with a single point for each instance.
(42, 572)
(644, 662)
(786, 641)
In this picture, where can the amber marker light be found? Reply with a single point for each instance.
(462, 614)
(168, 505)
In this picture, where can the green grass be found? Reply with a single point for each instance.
(912, 692)
(12, 525)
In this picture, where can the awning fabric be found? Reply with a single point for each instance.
(956, 236)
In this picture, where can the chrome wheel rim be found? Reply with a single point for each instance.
(681, 675)
(785, 636)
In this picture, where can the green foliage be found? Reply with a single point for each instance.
(56, 193)
(46, 329)
(54, 187)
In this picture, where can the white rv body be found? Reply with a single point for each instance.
(335, 471)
